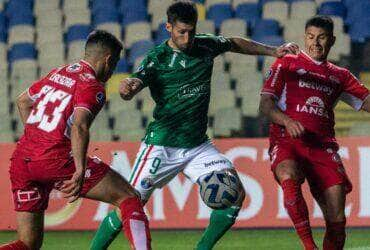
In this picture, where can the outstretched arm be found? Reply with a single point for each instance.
(269, 108)
(366, 105)
(250, 47)
(24, 104)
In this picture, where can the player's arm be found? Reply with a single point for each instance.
(269, 108)
(366, 105)
(129, 87)
(250, 47)
(24, 104)
(80, 141)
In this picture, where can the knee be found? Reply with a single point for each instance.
(32, 243)
(286, 171)
(335, 216)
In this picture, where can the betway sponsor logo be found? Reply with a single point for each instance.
(316, 86)
(62, 80)
(314, 105)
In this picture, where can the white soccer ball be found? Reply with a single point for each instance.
(219, 189)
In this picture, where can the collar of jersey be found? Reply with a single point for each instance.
(305, 55)
(89, 66)
(169, 48)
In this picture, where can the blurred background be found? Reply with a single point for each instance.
(37, 35)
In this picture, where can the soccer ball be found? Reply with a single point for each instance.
(219, 189)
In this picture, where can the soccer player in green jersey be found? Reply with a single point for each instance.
(178, 73)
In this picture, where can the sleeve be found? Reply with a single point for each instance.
(217, 44)
(91, 98)
(354, 92)
(274, 79)
(145, 72)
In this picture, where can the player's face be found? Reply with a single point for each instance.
(182, 34)
(318, 42)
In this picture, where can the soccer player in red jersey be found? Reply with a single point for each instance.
(299, 95)
(57, 112)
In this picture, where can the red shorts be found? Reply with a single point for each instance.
(32, 181)
(321, 164)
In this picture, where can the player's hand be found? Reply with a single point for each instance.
(129, 87)
(287, 48)
(73, 186)
(294, 128)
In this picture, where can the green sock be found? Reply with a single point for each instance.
(220, 222)
(107, 232)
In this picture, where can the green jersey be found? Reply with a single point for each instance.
(179, 83)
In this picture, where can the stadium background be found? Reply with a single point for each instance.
(37, 35)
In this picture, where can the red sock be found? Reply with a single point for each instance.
(335, 235)
(135, 224)
(15, 245)
(298, 212)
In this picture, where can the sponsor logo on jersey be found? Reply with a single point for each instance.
(100, 97)
(62, 80)
(190, 91)
(182, 63)
(76, 67)
(86, 77)
(316, 86)
(314, 105)
(216, 162)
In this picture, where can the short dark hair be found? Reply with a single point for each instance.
(104, 39)
(321, 21)
(183, 11)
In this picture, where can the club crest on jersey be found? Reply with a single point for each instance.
(76, 67)
(100, 97)
(301, 71)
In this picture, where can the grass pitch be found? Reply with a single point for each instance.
(357, 239)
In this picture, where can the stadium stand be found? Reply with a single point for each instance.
(28, 51)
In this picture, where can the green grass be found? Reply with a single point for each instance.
(358, 239)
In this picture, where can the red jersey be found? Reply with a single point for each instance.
(307, 91)
(47, 130)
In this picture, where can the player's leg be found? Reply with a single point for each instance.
(30, 226)
(290, 177)
(30, 201)
(150, 171)
(207, 160)
(111, 225)
(329, 184)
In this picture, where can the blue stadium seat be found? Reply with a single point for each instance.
(161, 34)
(3, 36)
(3, 23)
(105, 16)
(77, 32)
(266, 27)
(333, 9)
(134, 16)
(350, 3)
(132, 5)
(357, 12)
(21, 18)
(219, 12)
(19, 6)
(22, 51)
(291, 1)
(139, 49)
(249, 12)
(360, 31)
(98, 5)
(122, 66)
(273, 40)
